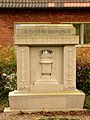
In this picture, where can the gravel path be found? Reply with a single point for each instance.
(72, 115)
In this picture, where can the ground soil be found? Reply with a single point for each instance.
(44, 115)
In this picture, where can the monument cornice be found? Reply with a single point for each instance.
(38, 34)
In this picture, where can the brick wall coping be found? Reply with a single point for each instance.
(43, 3)
(84, 45)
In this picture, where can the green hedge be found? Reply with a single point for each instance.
(83, 69)
(7, 71)
(83, 78)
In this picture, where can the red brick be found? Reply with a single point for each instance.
(9, 16)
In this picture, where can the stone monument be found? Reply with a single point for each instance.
(46, 68)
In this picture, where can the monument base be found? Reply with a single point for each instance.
(28, 102)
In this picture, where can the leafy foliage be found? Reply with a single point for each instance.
(83, 78)
(83, 69)
(7, 71)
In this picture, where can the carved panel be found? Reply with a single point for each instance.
(46, 62)
(23, 68)
(69, 67)
(70, 83)
(46, 54)
(23, 83)
(22, 65)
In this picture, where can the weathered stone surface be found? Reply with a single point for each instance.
(69, 67)
(23, 68)
(46, 68)
(34, 34)
(20, 101)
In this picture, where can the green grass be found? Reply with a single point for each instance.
(87, 102)
(3, 103)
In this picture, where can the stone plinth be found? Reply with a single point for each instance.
(29, 102)
(46, 68)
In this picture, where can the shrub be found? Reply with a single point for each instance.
(83, 78)
(83, 69)
(7, 71)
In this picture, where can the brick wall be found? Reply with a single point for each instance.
(9, 16)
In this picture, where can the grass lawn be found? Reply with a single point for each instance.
(87, 102)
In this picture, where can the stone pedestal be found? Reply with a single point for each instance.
(29, 102)
(46, 68)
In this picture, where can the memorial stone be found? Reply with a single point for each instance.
(46, 68)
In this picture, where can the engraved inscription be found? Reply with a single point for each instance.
(29, 33)
(36, 31)
(61, 31)
(34, 34)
